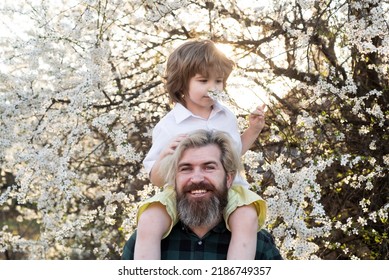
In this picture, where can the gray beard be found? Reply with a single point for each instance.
(202, 212)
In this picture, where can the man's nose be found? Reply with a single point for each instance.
(197, 177)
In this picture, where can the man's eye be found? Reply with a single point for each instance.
(184, 169)
(210, 167)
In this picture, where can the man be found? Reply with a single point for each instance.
(202, 170)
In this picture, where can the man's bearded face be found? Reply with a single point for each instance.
(203, 210)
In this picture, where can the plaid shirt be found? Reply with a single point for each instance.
(183, 244)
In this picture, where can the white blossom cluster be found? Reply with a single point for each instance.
(292, 195)
(224, 98)
(157, 11)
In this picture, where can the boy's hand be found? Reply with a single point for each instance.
(172, 145)
(257, 118)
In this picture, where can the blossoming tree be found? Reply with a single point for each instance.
(81, 89)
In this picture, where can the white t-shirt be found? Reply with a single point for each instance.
(180, 121)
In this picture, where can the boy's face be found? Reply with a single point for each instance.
(197, 100)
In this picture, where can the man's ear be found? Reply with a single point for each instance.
(230, 179)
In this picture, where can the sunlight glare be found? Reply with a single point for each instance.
(246, 96)
(226, 49)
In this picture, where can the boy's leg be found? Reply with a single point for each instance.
(153, 223)
(243, 223)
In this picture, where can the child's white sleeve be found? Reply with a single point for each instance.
(160, 139)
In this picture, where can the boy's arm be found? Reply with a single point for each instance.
(256, 124)
(151, 166)
(155, 176)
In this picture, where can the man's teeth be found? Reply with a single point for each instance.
(198, 191)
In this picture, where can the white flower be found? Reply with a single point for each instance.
(344, 159)
(372, 145)
(386, 159)
(362, 221)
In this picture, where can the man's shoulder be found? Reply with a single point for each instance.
(265, 235)
(266, 248)
(128, 250)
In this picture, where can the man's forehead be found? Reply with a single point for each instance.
(200, 155)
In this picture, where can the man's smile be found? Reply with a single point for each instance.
(199, 190)
(199, 193)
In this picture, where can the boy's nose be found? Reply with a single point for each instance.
(213, 85)
(212, 88)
